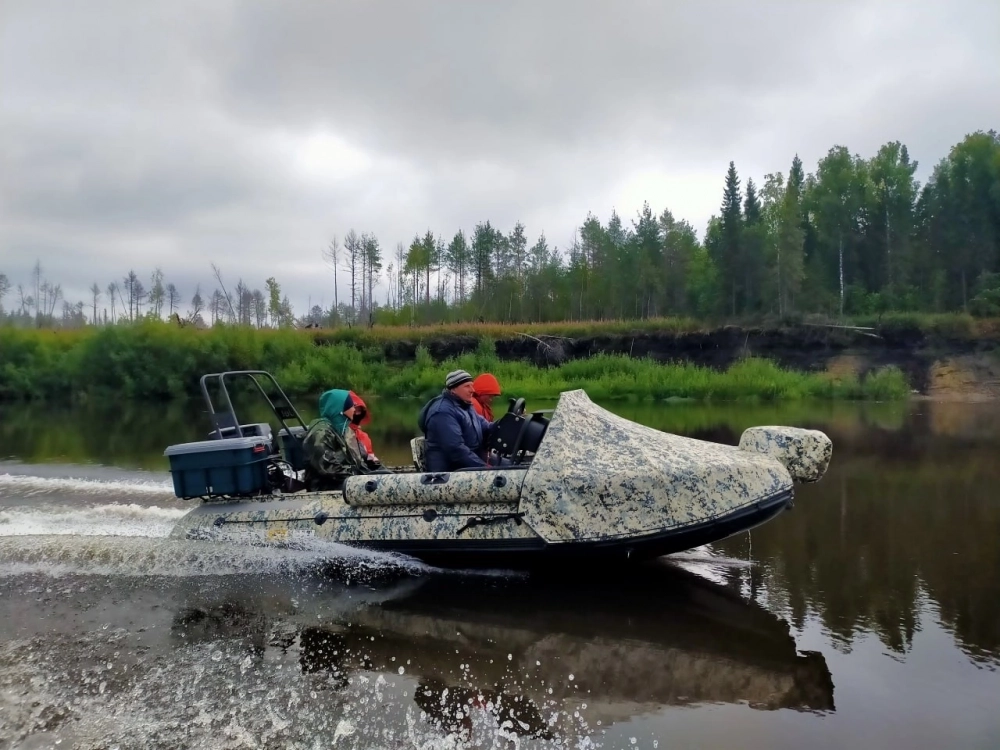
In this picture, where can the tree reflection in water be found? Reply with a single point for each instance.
(524, 650)
(904, 523)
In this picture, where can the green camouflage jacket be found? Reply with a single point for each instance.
(330, 458)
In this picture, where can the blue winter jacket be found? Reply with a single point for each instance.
(456, 435)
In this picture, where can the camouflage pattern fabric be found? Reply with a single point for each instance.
(651, 482)
(454, 488)
(805, 454)
(418, 450)
(294, 518)
(330, 458)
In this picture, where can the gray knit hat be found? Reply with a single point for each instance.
(456, 378)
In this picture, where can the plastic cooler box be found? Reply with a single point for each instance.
(231, 466)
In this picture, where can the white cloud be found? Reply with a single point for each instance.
(176, 134)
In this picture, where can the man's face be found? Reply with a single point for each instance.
(464, 391)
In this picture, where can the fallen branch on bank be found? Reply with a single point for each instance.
(863, 330)
(550, 353)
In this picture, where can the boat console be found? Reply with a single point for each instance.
(517, 436)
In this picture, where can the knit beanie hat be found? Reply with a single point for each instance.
(456, 378)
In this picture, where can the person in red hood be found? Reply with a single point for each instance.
(362, 416)
(486, 388)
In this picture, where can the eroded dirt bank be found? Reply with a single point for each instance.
(935, 365)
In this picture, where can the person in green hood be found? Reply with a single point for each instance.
(331, 448)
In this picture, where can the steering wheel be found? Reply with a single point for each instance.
(516, 407)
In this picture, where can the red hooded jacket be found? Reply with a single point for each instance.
(363, 439)
(485, 385)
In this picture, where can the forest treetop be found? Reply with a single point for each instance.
(855, 236)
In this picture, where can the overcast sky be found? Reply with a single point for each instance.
(177, 134)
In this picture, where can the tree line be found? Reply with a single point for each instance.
(129, 300)
(854, 237)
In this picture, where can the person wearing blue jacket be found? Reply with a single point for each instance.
(455, 433)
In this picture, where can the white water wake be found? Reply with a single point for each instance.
(64, 529)
(138, 556)
(708, 564)
(22, 485)
(112, 519)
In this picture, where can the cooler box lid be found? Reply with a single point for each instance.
(226, 444)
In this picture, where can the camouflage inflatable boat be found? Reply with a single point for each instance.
(583, 484)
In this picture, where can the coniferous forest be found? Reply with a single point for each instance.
(855, 236)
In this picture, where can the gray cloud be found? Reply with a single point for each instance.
(178, 134)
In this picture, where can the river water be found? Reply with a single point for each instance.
(867, 616)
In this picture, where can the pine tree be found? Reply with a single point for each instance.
(752, 248)
(730, 258)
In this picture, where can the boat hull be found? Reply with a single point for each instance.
(532, 554)
(261, 522)
(521, 553)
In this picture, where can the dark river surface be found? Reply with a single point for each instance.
(866, 617)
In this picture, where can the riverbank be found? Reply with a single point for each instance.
(935, 356)
(943, 357)
(155, 360)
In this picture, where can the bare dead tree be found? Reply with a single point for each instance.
(242, 307)
(353, 246)
(259, 308)
(173, 298)
(95, 296)
(331, 256)
(229, 300)
(197, 303)
(111, 290)
(4, 287)
(36, 277)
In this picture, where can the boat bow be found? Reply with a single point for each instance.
(597, 476)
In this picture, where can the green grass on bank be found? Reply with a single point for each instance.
(608, 377)
(952, 325)
(158, 361)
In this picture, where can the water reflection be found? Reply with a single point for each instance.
(901, 517)
(134, 435)
(525, 650)
(904, 524)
